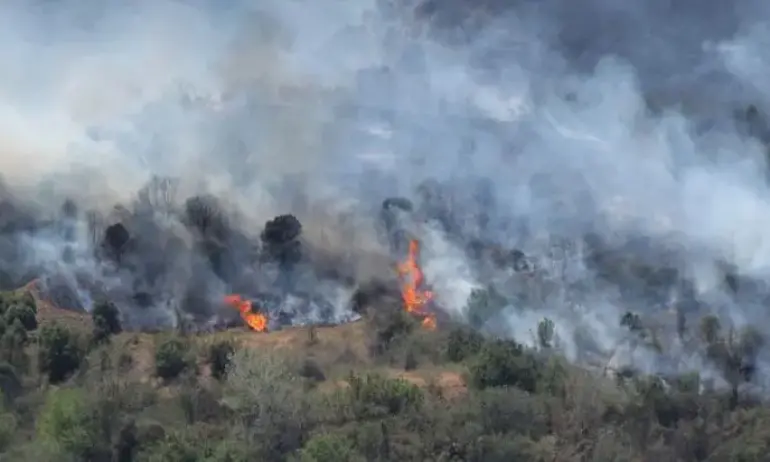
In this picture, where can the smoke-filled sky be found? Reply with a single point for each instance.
(594, 116)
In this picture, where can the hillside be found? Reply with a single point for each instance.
(385, 388)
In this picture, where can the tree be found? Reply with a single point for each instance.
(25, 313)
(60, 352)
(504, 363)
(734, 353)
(14, 342)
(106, 321)
(204, 213)
(219, 356)
(66, 425)
(463, 343)
(171, 358)
(116, 238)
(545, 333)
(280, 240)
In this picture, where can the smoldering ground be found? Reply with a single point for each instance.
(578, 161)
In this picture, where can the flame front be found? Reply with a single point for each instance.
(415, 298)
(256, 321)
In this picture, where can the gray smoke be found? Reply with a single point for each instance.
(559, 155)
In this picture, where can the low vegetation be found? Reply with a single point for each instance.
(378, 390)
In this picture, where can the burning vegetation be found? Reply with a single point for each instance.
(416, 298)
(256, 321)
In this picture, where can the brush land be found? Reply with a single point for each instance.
(77, 388)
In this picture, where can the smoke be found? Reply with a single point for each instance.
(545, 145)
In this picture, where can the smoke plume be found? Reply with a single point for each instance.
(571, 161)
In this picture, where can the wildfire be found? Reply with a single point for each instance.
(414, 297)
(256, 321)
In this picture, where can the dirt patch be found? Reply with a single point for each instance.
(452, 384)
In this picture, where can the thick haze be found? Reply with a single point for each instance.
(551, 119)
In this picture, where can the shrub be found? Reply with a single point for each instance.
(171, 358)
(328, 448)
(375, 395)
(60, 352)
(504, 363)
(219, 355)
(24, 313)
(66, 426)
(106, 320)
(390, 327)
(310, 369)
(14, 341)
(462, 343)
(264, 389)
(506, 410)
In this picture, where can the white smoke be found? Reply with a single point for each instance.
(324, 108)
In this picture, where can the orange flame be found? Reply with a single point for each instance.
(257, 321)
(415, 299)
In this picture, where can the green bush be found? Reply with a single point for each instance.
(106, 321)
(375, 395)
(9, 299)
(171, 358)
(219, 356)
(66, 425)
(60, 352)
(13, 345)
(311, 370)
(503, 363)
(23, 313)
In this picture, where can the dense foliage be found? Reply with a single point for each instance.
(408, 394)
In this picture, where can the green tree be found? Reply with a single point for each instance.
(463, 343)
(25, 313)
(66, 425)
(60, 352)
(14, 342)
(504, 363)
(219, 355)
(171, 358)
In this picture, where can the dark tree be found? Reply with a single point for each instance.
(23, 313)
(219, 355)
(106, 320)
(281, 240)
(60, 352)
(116, 239)
(204, 213)
(171, 359)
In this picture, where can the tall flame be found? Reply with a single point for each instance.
(257, 321)
(414, 297)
